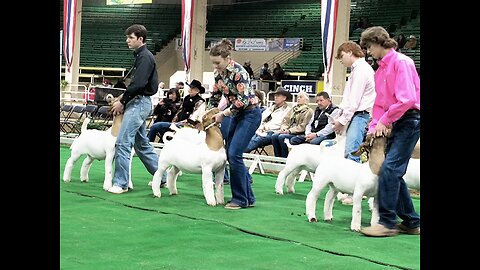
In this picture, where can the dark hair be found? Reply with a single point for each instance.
(139, 31)
(174, 90)
(223, 48)
(350, 46)
(377, 35)
(323, 94)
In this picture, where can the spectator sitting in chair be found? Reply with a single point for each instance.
(190, 103)
(168, 107)
(271, 120)
(294, 123)
(318, 128)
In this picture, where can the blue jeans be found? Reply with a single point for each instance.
(132, 133)
(259, 141)
(158, 127)
(241, 129)
(393, 195)
(279, 147)
(299, 139)
(355, 133)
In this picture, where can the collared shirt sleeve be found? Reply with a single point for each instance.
(328, 129)
(357, 90)
(404, 92)
(143, 68)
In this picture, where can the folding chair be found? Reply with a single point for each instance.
(102, 118)
(260, 151)
(90, 110)
(74, 122)
(65, 114)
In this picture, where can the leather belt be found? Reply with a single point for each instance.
(361, 112)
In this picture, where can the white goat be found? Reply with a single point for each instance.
(96, 144)
(196, 152)
(307, 156)
(347, 176)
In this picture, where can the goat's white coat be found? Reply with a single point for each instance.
(96, 144)
(187, 151)
(346, 176)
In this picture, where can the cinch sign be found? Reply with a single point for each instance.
(293, 86)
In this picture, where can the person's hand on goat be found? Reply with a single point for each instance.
(382, 130)
(337, 127)
(218, 117)
(117, 108)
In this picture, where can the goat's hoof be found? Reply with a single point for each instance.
(157, 195)
(66, 180)
(291, 190)
(220, 202)
(279, 192)
(84, 180)
(328, 220)
(312, 219)
(212, 203)
(106, 188)
(173, 193)
(354, 229)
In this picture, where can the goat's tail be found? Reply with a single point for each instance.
(287, 142)
(85, 124)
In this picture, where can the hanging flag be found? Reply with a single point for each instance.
(329, 10)
(187, 20)
(69, 19)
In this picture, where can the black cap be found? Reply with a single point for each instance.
(197, 84)
(282, 91)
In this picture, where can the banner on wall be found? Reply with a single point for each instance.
(127, 2)
(294, 86)
(250, 44)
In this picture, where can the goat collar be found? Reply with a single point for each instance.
(211, 125)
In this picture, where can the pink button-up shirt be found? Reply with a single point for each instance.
(398, 89)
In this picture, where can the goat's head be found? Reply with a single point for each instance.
(117, 119)
(374, 147)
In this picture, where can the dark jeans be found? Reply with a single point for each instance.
(259, 141)
(393, 195)
(241, 129)
(160, 128)
(279, 147)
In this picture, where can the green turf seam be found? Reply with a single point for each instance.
(240, 229)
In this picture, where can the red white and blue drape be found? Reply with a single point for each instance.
(329, 11)
(69, 19)
(187, 20)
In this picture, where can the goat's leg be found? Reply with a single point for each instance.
(157, 178)
(172, 180)
(281, 178)
(130, 183)
(291, 180)
(370, 204)
(312, 197)
(219, 192)
(356, 223)
(207, 185)
(107, 183)
(328, 204)
(86, 164)
(67, 172)
(375, 215)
